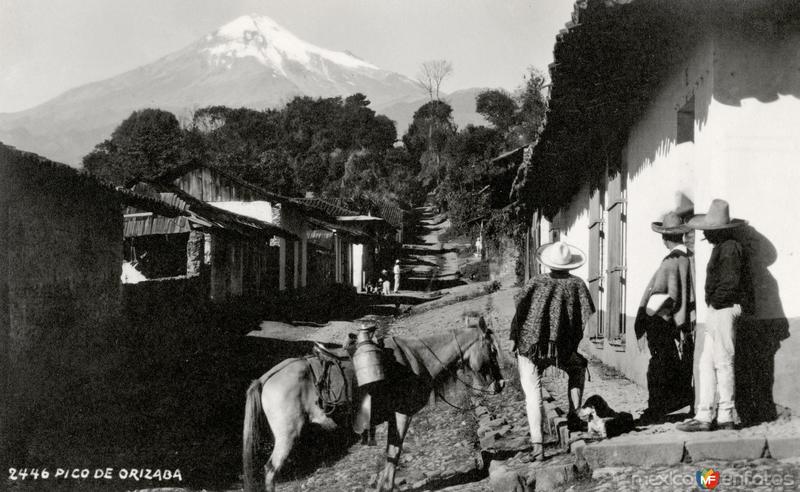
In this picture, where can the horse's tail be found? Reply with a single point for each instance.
(254, 420)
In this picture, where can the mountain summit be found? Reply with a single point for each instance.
(251, 61)
(259, 37)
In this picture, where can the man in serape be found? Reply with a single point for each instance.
(665, 320)
(548, 325)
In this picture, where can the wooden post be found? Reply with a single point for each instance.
(282, 264)
(296, 264)
(304, 261)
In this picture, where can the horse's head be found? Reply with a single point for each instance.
(483, 359)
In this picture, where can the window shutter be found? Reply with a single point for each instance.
(595, 279)
(615, 308)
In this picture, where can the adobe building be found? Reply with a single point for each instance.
(60, 289)
(657, 106)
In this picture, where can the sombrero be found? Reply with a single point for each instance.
(718, 217)
(560, 256)
(671, 224)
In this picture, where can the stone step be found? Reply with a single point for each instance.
(551, 474)
(674, 447)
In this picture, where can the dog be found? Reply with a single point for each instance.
(602, 421)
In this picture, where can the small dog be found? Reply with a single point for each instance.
(602, 420)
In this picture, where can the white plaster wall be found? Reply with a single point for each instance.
(261, 210)
(573, 222)
(755, 166)
(660, 170)
(660, 177)
(746, 151)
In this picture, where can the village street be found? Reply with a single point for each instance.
(446, 448)
(233, 235)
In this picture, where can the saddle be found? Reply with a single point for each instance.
(334, 378)
(332, 355)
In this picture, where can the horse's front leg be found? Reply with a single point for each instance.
(394, 446)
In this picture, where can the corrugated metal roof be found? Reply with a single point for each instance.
(321, 238)
(207, 215)
(178, 171)
(325, 206)
(149, 224)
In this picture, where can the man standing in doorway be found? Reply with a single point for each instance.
(396, 271)
(666, 320)
(725, 294)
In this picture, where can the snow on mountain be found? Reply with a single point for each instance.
(260, 37)
(251, 62)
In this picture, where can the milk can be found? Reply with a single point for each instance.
(367, 358)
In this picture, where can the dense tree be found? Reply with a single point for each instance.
(427, 136)
(533, 106)
(519, 116)
(339, 148)
(499, 107)
(143, 145)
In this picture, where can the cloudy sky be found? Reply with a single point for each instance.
(49, 46)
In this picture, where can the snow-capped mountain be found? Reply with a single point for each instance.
(251, 61)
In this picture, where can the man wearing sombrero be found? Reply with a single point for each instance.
(666, 320)
(725, 292)
(546, 330)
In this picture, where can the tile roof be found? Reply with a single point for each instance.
(56, 172)
(608, 61)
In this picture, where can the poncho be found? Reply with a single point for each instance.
(551, 313)
(674, 278)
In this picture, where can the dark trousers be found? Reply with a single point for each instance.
(669, 374)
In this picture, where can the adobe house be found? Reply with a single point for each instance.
(224, 191)
(231, 254)
(351, 238)
(60, 265)
(293, 222)
(653, 100)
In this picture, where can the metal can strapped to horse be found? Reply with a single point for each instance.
(367, 358)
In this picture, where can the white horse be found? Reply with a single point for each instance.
(287, 399)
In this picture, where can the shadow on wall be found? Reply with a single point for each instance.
(759, 333)
(758, 62)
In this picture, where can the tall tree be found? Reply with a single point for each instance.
(431, 75)
(532, 105)
(146, 144)
(499, 107)
(430, 129)
(519, 116)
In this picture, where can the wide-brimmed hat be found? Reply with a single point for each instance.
(560, 256)
(718, 217)
(671, 224)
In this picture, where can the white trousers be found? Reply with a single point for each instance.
(715, 368)
(396, 282)
(531, 381)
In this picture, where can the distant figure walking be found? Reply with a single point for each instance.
(396, 272)
(666, 321)
(725, 294)
(546, 330)
(479, 248)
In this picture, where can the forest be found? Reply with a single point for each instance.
(342, 150)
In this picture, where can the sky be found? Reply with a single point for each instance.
(49, 46)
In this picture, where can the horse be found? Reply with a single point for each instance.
(287, 400)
